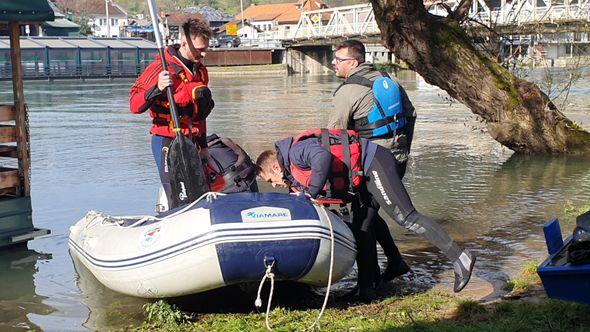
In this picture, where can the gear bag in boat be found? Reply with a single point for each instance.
(578, 252)
(232, 170)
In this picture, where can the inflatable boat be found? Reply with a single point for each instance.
(215, 241)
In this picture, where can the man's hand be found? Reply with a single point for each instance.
(164, 80)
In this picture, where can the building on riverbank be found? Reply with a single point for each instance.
(105, 19)
(48, 58)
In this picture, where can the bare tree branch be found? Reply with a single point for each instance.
(462, 10)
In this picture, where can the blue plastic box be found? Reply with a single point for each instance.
(560, 279)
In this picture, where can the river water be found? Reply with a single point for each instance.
(88, 152)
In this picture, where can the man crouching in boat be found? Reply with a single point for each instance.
(188, 78)
(338, 164)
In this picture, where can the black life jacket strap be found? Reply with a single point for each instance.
(360, 80)
(365, 129)
(344, 141)
(325, 142)
(355, 79)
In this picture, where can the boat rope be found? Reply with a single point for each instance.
(258, 303)
(317, 320)
(209, 197)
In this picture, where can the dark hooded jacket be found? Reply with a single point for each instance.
(308, 154)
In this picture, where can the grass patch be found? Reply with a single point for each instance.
(526, 280)
(163, 316)
(429, 311)
(571, 211)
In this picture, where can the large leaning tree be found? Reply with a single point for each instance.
(517, 113)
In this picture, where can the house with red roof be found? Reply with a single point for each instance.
(274, 21)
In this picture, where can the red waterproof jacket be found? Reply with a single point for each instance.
(187, 85)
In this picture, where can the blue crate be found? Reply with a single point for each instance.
(560, 279)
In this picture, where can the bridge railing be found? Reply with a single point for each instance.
(523, 12)
(359, 20)
(356, 20)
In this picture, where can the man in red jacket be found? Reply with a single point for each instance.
(188, 79)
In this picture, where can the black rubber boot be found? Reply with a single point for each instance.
(463, 268)
(394, 270)
(367, 294)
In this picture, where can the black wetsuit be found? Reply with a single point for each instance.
(382, 186)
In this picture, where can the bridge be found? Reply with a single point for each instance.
(557, 23)
(511, 17)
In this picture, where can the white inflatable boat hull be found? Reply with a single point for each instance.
(228, 240)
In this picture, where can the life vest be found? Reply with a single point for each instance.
(232, 171)
(386, 116)
(190, 84)
(346, 172)
(188, 114)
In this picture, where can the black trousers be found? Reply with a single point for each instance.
(364, 235)
(386, 189)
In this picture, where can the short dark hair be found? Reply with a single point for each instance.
(355, 48)
(265, 159)
(197, 28)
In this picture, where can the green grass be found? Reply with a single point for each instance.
(429, 311)
(572, 211)
(526, 280)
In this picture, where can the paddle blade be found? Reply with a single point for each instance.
(186, 172)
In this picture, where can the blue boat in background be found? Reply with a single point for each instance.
(562, 280)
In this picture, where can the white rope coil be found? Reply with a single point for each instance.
(270, 275)
(258, 303)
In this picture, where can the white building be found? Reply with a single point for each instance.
(104, 21)
(110, 25)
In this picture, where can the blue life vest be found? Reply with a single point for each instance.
(386, 116)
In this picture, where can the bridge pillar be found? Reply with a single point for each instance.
(309, 59)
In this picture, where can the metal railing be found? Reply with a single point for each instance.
(359, 20)
(51, 63)
(356, 20)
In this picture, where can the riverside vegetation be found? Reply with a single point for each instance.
(524, 308)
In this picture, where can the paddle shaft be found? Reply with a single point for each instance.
(169, 93)
(187, 179)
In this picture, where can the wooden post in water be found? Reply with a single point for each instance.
(22, 138)
(16, 222)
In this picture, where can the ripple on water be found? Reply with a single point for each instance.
(89, 152)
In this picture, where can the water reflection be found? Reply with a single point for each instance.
(495, 208)
(107, 309)
(18, 269)
(89, 152)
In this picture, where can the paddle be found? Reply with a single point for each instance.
(186, 170)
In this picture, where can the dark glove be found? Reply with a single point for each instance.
(204, 101)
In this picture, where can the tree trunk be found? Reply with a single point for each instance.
(517, 113)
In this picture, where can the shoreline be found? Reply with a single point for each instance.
(280, 69)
